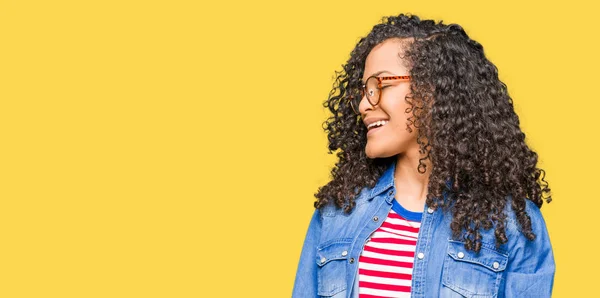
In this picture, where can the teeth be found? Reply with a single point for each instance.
(377, 123)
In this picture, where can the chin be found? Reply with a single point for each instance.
(373, 153)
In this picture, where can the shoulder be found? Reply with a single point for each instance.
(513, 227)
(521, 249)
(531, 264)
(360, 203)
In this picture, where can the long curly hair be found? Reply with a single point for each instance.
(466, 126)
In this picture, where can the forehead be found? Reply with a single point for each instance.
(386, 56)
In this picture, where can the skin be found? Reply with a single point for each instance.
(394, 138)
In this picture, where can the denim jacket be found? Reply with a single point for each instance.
(328, 265)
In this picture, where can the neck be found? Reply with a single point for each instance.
(411, 186)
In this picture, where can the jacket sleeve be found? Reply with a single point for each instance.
(531, 267)
(305, 284)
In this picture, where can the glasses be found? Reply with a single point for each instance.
(372, 88)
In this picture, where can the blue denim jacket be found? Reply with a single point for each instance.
(328, 265)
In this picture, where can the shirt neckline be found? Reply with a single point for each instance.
(407, 214)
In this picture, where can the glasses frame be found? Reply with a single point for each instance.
(364, 91)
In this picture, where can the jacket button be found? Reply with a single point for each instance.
(323, 260)
(375, 218)
(421, 255)
(344, 253)
(351, 260)
(429, 210)
(391, 192)
(461, 255)
(495, 265)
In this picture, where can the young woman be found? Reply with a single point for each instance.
(436, 193)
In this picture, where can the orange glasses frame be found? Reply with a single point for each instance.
(363, 90)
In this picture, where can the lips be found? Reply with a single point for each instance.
(375, 129)
(377, 124)
(372, 121)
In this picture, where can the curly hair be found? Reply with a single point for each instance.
(466, 126)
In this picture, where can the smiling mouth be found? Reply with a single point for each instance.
(377, 124)
(374, 129)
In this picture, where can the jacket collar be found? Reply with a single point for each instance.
(385, 182)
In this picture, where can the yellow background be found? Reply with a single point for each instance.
(172, 148)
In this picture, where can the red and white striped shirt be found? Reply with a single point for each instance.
(386, 262)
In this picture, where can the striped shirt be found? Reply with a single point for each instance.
(386, 262)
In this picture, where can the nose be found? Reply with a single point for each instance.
(364, 105)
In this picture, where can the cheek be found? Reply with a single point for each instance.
(396, 105)
(400, 126)
(399, 117)
(398, 132)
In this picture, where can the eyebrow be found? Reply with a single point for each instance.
(376, 74)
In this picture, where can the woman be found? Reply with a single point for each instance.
(436, 193)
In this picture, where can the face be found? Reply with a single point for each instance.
(393, 137)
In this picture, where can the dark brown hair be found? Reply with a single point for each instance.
(467, 128)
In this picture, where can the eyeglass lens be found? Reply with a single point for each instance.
(372, 91)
